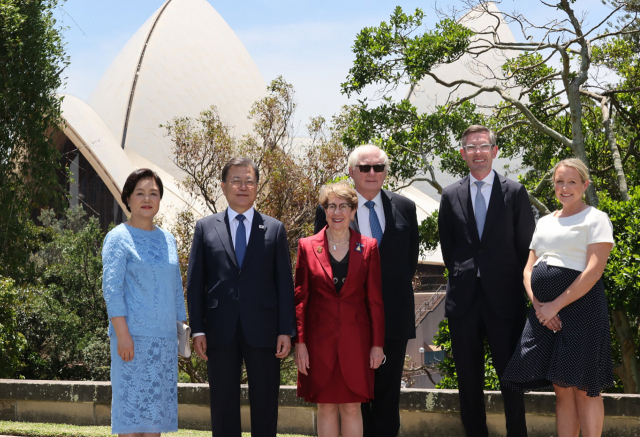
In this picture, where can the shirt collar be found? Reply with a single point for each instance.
(488, 180)
(377, 200)
(248, 215)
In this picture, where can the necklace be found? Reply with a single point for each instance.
(335, 245)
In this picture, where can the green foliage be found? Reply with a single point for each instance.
(622, 274)
(31, 60)
(60, 310)
(386, 53)
(429, 236)
(447, 367)
(12, 342)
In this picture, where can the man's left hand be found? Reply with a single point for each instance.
(284, 346)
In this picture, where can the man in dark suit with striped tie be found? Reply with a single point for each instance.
(486, 224)
(391, 219)
(241, 304)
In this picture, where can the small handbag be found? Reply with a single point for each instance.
(184, 334)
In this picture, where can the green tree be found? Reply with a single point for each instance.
(553, 104)
(60, 311)
(12, 342)
(31, 61)
(622, 282)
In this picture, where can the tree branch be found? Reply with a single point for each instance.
(541, 127)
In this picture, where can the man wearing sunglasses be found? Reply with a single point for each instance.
(486, 224)
(391, 219)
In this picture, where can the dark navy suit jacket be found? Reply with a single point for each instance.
(501, 255)
(259, 293)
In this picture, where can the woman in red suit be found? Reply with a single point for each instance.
(340, 316)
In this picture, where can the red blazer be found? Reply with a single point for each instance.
(346, 325)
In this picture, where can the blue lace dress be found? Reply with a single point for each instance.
(141, 281)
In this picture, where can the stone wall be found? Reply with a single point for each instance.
(432, 412)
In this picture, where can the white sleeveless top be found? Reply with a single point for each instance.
(563, 241)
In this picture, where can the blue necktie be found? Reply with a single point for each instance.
(241, 239)
(376, 229)
(481, 208)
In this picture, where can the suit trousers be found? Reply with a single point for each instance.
(467, 342)
(263, 370)
(381, 416)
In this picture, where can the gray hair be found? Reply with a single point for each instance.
(354, 156)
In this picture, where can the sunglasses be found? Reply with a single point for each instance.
(378, 168)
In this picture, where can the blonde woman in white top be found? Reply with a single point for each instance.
(566, 342)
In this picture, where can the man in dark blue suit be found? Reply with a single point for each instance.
(241, 303)
(486, 224)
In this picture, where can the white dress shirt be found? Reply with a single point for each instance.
(485, 191)
(234, 223)
(233, 227)
(363, 214)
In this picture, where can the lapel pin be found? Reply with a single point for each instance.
(359, 247)
(319, 249)
(260, 226)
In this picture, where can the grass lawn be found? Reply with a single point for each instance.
(61, 430)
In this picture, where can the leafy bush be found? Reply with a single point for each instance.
(12, 342)
(60, 311)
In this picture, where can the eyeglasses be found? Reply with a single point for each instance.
(378, 168)
(344, 207)
(471, 148)
(237, 183)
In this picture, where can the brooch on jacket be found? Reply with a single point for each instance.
(319, 249)
(359, 247)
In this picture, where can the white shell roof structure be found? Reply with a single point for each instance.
(99, 146)
(425, 206)
(182, 60)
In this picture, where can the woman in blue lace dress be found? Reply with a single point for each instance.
(142, 287)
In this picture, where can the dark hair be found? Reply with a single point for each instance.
(132, 181)
(240, 161)
(478, 128)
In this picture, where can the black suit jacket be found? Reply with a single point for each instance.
(259, 293)
(399, 251)
(501, 255)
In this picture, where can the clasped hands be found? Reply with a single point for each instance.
(547, 314)
(376, 358)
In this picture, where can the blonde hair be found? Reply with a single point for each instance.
(354, 156)
(340, 189)
(575, 164)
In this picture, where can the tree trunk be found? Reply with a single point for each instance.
(628, 371)
(579, 150)
(615, 152)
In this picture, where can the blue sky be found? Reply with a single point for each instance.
(308, 42)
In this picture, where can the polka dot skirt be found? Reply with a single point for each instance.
(579, 355)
